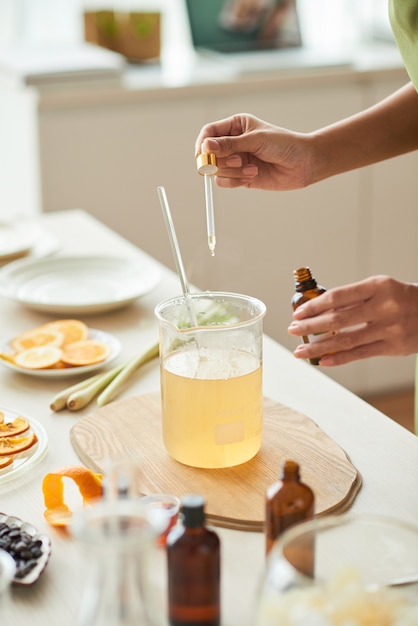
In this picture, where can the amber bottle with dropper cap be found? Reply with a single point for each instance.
(193, 561)
(306, 288)
(288, 501)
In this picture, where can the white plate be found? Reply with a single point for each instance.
(42, 561)
(78, 285)
(16, 238)
(45, 245)
(27, 459)
(67, 372)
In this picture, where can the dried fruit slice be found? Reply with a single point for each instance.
(85, 352)
(57, 513)
(5, 461)
(13, 445)
(40, 357)
(73, 330)
(18, 426)
(39, 336)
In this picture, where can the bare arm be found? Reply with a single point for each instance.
(386, 130)
(256, 154)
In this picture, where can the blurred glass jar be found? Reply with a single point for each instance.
(7, 572)
(350, 569)
(117, 538)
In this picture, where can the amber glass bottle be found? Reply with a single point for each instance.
(306, 288)
(194, 569)
(288, 501)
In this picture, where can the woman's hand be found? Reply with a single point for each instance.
(375, 317)
(252, 153)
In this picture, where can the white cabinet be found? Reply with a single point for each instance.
(108, 154)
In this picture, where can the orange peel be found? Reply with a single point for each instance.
(57, 513)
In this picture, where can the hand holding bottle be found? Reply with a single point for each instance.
(374, 317)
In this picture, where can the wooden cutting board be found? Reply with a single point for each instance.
(234, 496)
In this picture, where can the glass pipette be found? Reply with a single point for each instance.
(207, 167)
(210, 218)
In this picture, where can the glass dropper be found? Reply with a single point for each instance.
(207, 167)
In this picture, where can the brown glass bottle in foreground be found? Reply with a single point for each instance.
(288, 501)
(194, 569)
(306, 288)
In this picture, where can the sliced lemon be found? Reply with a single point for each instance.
(39, 336)
(85, 352)
(13, 445)
(40, 357)
(18, 426)
(73, 330)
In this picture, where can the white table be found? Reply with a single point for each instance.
(385, 454)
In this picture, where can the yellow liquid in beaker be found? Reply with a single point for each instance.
(212, 406)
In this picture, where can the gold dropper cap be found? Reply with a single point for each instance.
(206, 164)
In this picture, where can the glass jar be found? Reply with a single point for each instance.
(7, 572)
(120, 564)
(342, 570)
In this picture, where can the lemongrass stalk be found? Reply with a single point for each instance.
(81, 398)
(59, 401)
(131, 366)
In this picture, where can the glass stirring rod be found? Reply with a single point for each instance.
(207, 167)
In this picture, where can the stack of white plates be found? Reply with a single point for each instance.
(23, 238)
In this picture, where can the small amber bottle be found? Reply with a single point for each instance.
(288, 501)
(194, 568)
(306, 288)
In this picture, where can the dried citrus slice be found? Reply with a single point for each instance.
(18, 426)
(39, 336)
(5, 461)
(85, 352)
(57, 513)
(13, 445)
(73, 330)
(40, 357)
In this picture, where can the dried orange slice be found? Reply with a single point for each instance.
(57, 513)
(85, 352)
(39, 336)
(13, 445)
(18, 426)
(73, 330)
(39, 357)
(5, 461)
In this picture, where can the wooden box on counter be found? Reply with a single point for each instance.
(135, 35)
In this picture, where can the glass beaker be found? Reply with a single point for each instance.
(351, 569)
(211, 378)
